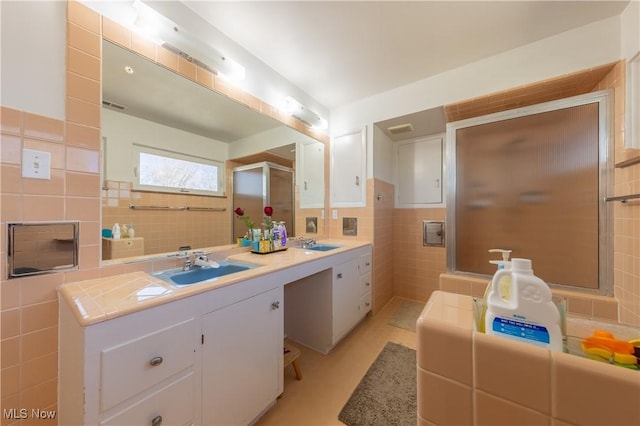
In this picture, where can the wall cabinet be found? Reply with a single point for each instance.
(349, 169)
(242, 369)
(419, 172)
(311, 178)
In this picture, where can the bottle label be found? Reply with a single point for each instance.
(521, 330)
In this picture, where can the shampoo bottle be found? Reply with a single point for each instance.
(529, 314)
(115, 232)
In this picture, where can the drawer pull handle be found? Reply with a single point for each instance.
(367, 284)
(339, 275)
(156, 360)
(367, 304)
(368, 264)
(275, 305)
(156, 421)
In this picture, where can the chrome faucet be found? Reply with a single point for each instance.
(187, 263)
(307, 242)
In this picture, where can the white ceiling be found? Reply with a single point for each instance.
(342, 51)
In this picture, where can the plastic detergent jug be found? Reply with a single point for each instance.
(529, 314)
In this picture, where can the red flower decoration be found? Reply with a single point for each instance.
(239, 211)
(268, 211)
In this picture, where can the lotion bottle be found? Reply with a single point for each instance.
(115, 232)
(529, 315)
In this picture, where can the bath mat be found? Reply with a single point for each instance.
(386, 395)
(407, 314)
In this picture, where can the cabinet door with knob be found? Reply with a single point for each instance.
(242, 355)
(311, 177)
(419, 172)
(346, 298)
(348, 170)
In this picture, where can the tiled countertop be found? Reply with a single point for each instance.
(100, 299)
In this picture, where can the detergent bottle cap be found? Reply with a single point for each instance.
(521, 265)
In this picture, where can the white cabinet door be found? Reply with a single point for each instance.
(419, 172)
(311, 183)
(242, 359)
(346, 298)
(348, 170)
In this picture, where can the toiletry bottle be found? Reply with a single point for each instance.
(529, 315)
(124, 231)
(283, 235)
(132, 232)
(115, 232)
(506, 283)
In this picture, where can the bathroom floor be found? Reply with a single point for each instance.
(328, 380)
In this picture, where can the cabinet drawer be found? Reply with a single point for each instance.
(365, 283)
(170, 405)
(365, 304)
(364, 264)
(141, 363)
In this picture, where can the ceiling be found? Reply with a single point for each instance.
(342, 51)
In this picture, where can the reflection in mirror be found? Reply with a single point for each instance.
(149, 107)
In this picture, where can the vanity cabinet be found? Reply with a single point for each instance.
(141, 368)
(311, 178)
(323, 308)
(211, 359)
(242, 370)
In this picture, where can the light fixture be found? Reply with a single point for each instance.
(168, 34)
(299, 111)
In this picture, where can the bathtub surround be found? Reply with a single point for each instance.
(471, 378)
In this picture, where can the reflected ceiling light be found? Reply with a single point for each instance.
(166, 33)
(299, 111)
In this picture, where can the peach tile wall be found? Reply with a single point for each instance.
(29, 305)
(476, 379)
(383, 241)
(417, 268)
(626, 228)
(188, 228)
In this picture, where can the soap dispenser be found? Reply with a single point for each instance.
(504, 285)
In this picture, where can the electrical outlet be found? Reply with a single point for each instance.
(36, 164)
(334, 214)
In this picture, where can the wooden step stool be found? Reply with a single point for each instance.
(291, 354)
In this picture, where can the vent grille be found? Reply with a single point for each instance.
(402, 128)
(113, 105)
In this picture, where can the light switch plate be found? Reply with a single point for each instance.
(36, 164)
(334, 214)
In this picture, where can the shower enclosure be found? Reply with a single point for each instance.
(256, 186)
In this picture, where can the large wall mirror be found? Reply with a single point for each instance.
(151, 113)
